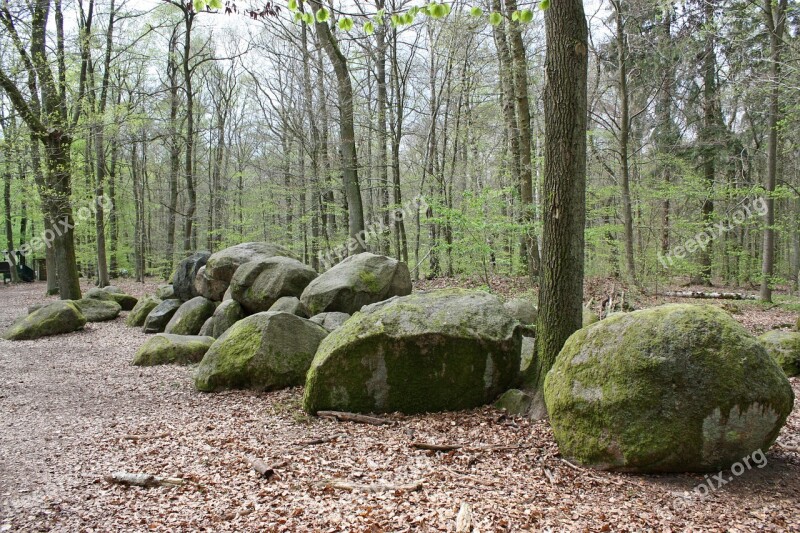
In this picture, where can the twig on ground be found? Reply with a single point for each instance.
(375, 487)
(321, 440)
(355, 417)
(143, 480)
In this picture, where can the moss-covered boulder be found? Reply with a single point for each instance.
(190, 316)
(357, 281)
(98, 310)
(265, 351)
(183, 281)
(165, 292)
(669, 389)
(99, 294)
(330, 321)
(430, 351)
(259, 284)
(515, 402)
(226, 314)
(52, 319)
(166, 349)
(140, 311)
(784, 347)
(222, 265)
(159, 317)
(290, 304)
(523, 310)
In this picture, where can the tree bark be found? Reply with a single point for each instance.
(564, 189)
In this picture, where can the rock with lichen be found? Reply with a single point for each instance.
(357, 281)
(430, 351)
(784, 347)
(58, 317)
(674, 388)
(257, 285)
(265, 351)
(164, 349)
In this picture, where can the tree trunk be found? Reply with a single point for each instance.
(776, 22)
(564, 189)
(347, 133)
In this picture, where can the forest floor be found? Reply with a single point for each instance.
(73, 410)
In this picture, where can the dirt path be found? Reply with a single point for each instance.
(73, 410)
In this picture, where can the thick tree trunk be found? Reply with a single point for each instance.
(564, 190)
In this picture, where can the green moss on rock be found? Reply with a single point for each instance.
(672, 388)
(140, 311)
(784, 347)
(164, 349)
(430, 351)
(98, 310)
(190, 317)
(265, 351)
(52, 319)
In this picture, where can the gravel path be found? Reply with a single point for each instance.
(73, 410)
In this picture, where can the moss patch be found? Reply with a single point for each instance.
(784, 347)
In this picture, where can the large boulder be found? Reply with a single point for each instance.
(200, 282)
(221, 265)
(165, 349)
(185, 274)
(140, 311)
(98, 310)
(190, 316)
(159, 317)
(55, 318)
(357, 281)
(257, 285)
(99, 294)
(674, 388)
(330, 321)
(165, 292)
(784, 347)
(523, 310)
(265, 351)
(290, 304)
(126, 301)
(430, 351)
(112, 294)
(226, 314)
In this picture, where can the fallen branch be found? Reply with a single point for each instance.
(355, 417)
(451, 447)
(261, 467)
(321, 440)
(375, 487)
(145, 437)
(143, 480)
(710, 295)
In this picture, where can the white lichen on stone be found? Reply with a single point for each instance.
(590, 394)
(377, 385)
(738, 430)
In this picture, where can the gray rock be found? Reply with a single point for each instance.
(515, 402)
(227, 314)
(676, 388)
(200, 282)
(357, 281)
(140, 311)
(265, 351)
(159, 317)
(183, 281)
(258, 285)
(113, 289)
(330, 321)
(527, 355)
(58, 317)
(189, 318)
(99, 294)
(98, 310)
(290, 304)
(165, 292)
(523, 310)
(430, 351)
(784, 347)
(164, 349)
(222, 264)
